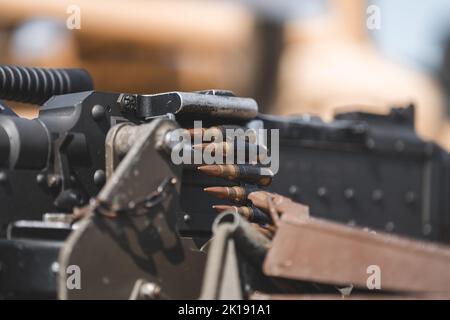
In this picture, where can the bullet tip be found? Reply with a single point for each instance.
(216, 191)
(212, 170)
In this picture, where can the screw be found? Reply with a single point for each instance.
(293, 190)
(99, 178)
(40, 178)
(98, 112)
(54, 267)
(127, 102)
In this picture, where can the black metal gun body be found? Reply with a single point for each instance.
(54, 162)
(361, 169)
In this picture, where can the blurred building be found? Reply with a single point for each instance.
(329, 63)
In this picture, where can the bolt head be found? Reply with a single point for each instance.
(54, 267)
(98, 112)
(293, 190)
(128, 102)
(99, 178)
(40, 178)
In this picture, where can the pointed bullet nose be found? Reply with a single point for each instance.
(220, 208)
(206, 168)
(220, 192)
(212, 170)
(200, 146)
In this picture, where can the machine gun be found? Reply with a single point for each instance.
(153, 216)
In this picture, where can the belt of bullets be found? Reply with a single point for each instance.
(261, 208)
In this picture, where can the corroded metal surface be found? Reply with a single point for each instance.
(326, 252)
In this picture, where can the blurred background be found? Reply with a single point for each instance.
(292, 56)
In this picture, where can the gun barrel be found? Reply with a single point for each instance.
(23, 143)
(37, 85)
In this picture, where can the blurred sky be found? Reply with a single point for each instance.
(414, 32)
(283, 10)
